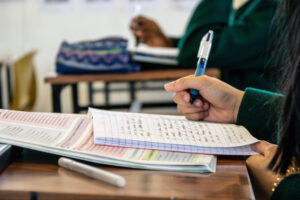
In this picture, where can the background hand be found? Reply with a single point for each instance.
(221, 103)
(149, 32)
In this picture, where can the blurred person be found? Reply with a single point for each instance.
(240, 46)
(277, 169)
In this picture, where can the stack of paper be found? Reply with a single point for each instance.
(72, 136)
(155, 55)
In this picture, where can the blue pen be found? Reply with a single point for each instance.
(203, 54)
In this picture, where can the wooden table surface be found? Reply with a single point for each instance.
(150, 75)
(33, 179)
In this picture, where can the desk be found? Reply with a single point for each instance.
(58, 82)
(38, 177)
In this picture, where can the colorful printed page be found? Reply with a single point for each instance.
(172, 133)
(72, 135)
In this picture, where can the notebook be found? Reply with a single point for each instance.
(170, 133)
(72, 136)
(155, 55)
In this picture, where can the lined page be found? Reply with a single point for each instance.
(169, 133)
(145, 156)
(16, 127)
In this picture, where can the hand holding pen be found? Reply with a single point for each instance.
(203, 55)
(148, 32)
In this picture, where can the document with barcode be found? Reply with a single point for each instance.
(171, 133)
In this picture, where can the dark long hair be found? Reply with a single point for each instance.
(289, 146)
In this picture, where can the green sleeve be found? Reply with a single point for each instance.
(259, 112)
(240, 45)
(288, 188)
(174, 41)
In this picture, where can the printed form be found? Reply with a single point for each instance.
(73, 134)
(173, 133)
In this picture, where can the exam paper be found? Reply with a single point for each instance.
(173, 133)
(72, 135)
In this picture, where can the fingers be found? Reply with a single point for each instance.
(189, 109)
(196, 116)
(197, 111)
(261, 147)
(136, 22)
(188, 82)
(183, 98)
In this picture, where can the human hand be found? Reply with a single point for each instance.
(262, 178)
(221, 102)
(148, 32)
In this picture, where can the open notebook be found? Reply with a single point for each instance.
(72, 136)
(171, 133)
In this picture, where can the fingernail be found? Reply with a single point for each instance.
(169, 85)
(197, 102)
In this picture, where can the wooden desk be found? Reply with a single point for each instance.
(58, 82)
(38, 177)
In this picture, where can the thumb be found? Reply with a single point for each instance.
(260, 147)
(188, 82)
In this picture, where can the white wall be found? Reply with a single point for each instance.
(24, 26)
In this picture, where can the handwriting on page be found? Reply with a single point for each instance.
(161, 129)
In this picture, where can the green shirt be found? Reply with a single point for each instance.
(239, 47)
(259, 113)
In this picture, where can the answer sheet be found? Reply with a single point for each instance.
(173, 133)
(73, 134)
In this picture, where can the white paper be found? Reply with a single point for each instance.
(72, 135)
(169, 133)
(155, 55)
(57, 5)
(98, 4)
(156, 51)
(184, 4)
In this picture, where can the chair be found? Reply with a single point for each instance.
(24, 83)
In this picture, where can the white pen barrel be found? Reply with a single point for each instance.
(92, 172)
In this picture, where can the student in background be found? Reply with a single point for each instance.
(240, 44)
(276, 171)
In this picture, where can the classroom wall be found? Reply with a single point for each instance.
(24, 26)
